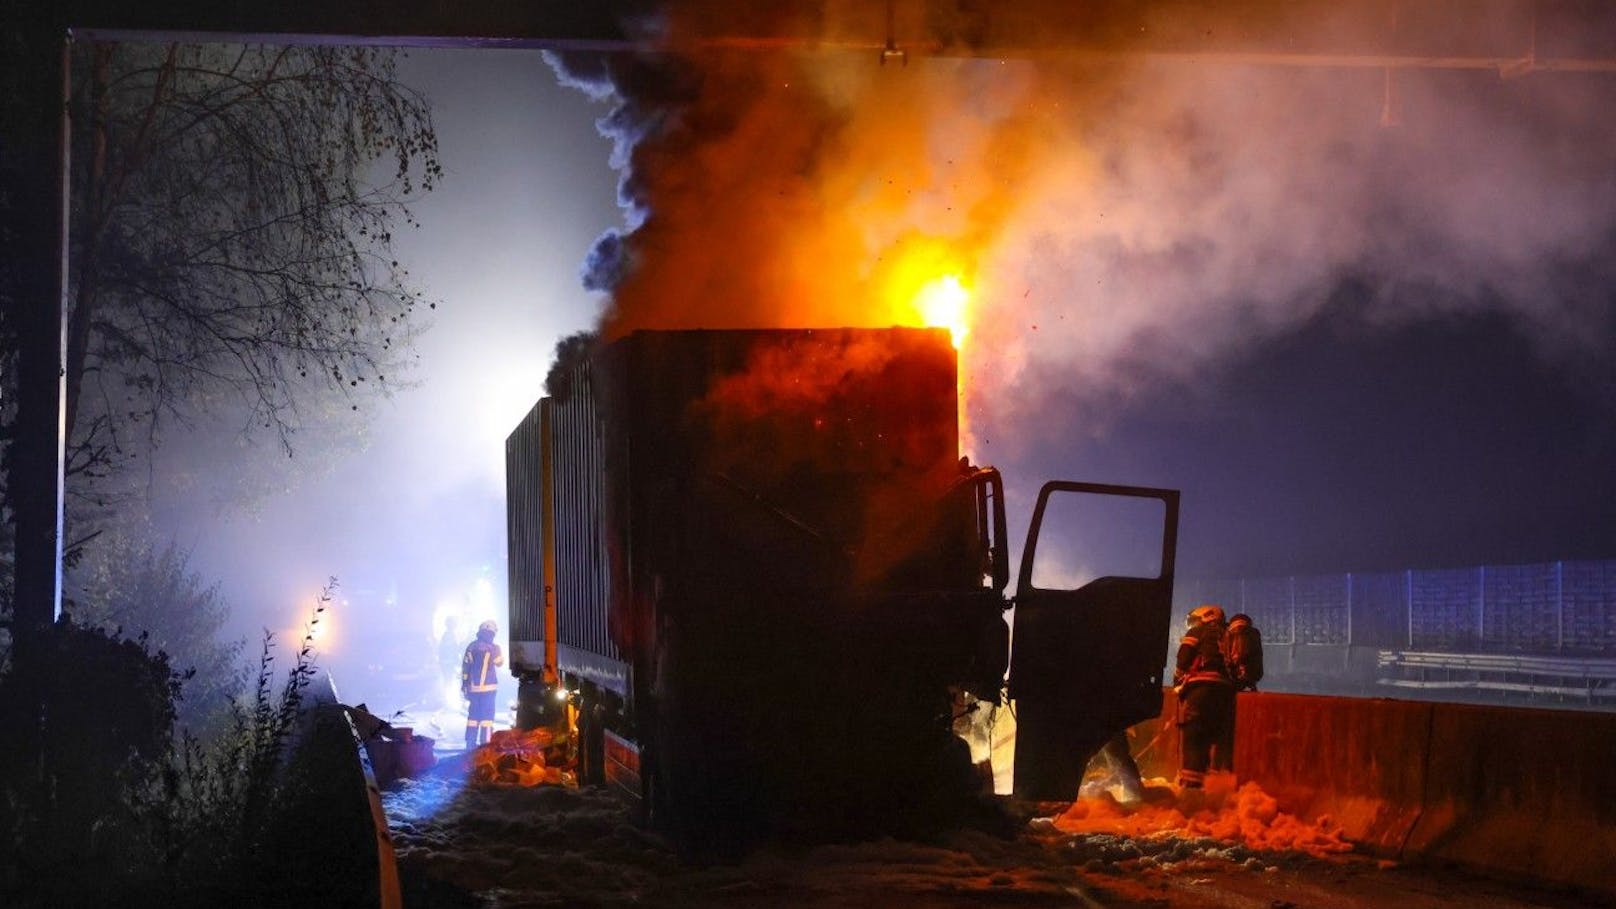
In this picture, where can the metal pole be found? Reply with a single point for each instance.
(1408, 604)
(1559, 606)
(40, 149)
(1349, 609)
(1293, 612)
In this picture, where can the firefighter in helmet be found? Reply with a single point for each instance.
(1205, 694)
(1243, 661)
(479, 680)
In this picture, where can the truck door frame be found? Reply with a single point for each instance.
(1085, 664)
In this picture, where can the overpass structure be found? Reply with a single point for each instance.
(1414, 773)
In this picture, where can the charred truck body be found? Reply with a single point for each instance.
(758, 565)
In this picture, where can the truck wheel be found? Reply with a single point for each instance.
(663, 776)
(660, 807)
(591, 738)
(532, 704)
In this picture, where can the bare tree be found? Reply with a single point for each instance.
(233, 215)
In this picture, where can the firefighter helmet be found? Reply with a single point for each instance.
(1201, 615)
(488, 626)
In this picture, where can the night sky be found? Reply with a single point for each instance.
(1337, 447)
(1352, 415)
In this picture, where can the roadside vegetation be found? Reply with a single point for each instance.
(230, 264)
(124, 806)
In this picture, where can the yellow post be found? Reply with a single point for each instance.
(547, 540)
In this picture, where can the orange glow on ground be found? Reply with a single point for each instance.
(1224, 811)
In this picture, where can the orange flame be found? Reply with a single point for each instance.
(922, 285)
(920, 282)
(942, 303)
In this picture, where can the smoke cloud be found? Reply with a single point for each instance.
(1127, 224)
(1121, 223)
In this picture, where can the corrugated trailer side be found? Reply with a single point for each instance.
(584, 648)
(523, 557)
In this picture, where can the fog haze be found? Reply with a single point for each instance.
(408, 513)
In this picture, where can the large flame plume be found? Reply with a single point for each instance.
(1113, 225)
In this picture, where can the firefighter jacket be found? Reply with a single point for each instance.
(1200, 657)
(478, 672)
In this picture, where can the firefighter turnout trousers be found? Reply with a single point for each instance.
(479, 718)
(1205, 719)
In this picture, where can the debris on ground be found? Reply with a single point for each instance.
(395, 752)
(535, 757)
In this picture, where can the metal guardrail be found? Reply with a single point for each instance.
(1589, 677)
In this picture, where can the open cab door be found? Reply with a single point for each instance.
(1092, 609)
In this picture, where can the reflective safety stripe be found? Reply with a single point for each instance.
(482, 676)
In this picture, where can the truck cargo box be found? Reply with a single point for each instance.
(759, 566)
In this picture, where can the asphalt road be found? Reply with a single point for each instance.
(459, 845)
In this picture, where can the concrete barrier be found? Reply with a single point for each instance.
(347, 835)
(1356, 761)
(1512, 792)
(389, 888)
(1530, 793)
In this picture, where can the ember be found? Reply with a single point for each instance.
(538, 757)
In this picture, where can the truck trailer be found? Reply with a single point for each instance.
(757, 570)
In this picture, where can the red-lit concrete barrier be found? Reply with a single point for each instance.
(1516, 792)
(1359, 761)
(1530, 792)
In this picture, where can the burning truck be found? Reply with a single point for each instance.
(751, 573)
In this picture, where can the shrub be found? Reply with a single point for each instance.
(113, 809)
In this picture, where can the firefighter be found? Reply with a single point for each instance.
(1242, 660)
(449, 660)
(479, 680)
(1205, 694)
